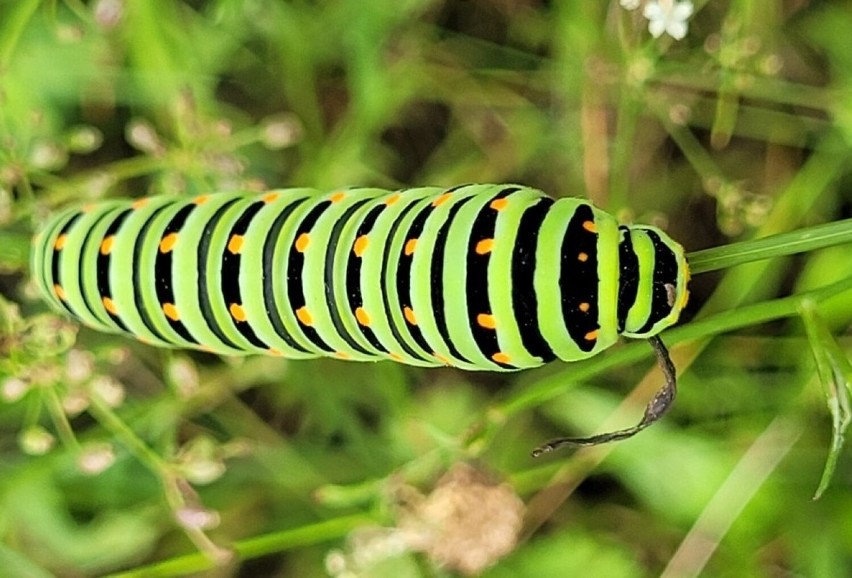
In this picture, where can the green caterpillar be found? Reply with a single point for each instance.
(491, 277)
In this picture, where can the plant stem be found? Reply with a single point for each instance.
(254, 547)
(799, 241)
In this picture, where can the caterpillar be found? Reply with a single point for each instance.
(479, 277)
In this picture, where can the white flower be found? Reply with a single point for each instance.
(75, 402)
(13, 388)
(108, 389)
(668, 16)
(629, 4)
(183, 377)
(79, 365)
(195, 517)
(35, 440)
(95, 458)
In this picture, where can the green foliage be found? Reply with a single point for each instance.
(119, 458)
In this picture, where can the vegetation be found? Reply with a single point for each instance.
(724, 123)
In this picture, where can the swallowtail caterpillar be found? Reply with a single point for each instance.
(479, 277)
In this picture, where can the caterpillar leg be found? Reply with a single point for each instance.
(656, 408)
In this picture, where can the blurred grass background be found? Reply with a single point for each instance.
(115, 457)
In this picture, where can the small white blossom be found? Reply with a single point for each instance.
(108, 13)
(108, 389)
(96, 458)
(75, 402)
(13, 389)
(281, 131)
(48, 156)
(97, 185)
(197, 518)
(203, 471)
(183, 376)
(142, 136)
(36, 441)
(201, 461)
(79, 365)
(629, 4)
(335, 563)
(668, 16)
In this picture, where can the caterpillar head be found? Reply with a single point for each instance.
(653, 279)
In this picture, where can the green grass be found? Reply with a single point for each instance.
(736, 139)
